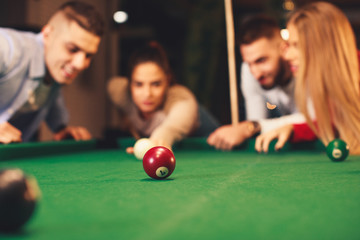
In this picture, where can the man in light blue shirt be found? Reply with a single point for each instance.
(33, 67)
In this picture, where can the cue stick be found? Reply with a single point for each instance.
(231, 62)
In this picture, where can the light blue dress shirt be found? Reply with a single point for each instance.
(22, 71)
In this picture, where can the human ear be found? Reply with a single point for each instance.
(283, 47)
(46, 30)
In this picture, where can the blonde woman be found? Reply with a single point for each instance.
(323, 57)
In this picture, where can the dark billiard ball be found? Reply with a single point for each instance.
(18, 199)
(159, 162)
(337, 150)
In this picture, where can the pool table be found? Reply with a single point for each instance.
(94, 190)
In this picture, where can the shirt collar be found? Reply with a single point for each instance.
(37, 62)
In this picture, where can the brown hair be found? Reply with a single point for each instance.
(85, 15)
(328, 73)
(256, 27)
(151, 52)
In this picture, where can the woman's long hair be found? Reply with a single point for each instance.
(328, 73)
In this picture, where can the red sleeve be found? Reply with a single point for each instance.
(302, 132)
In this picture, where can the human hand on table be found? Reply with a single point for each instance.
(75, 132)
(228, 136)
(9, 133)
(282, 134)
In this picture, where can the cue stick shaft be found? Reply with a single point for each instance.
(231, 62)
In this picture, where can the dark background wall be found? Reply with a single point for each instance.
(13, 13)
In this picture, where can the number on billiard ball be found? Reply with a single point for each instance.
(337, 150)
(159, 162)
(18, 199)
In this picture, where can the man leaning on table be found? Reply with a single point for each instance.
(33, 67)
(266, 80)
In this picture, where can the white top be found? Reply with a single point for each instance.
(256, 99)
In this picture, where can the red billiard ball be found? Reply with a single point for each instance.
(159, 162)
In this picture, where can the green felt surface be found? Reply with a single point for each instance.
(105, 194)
